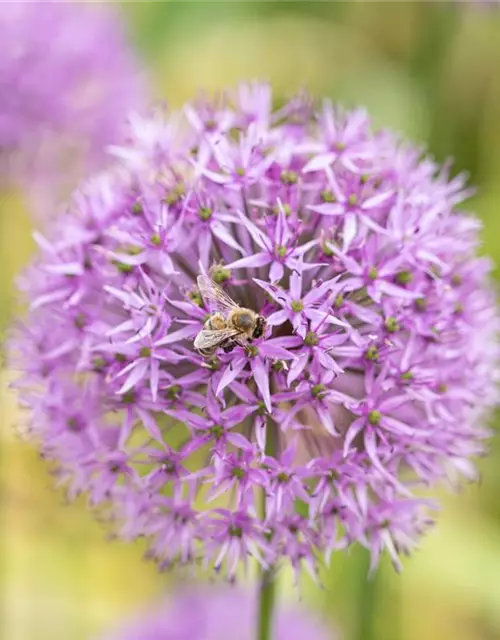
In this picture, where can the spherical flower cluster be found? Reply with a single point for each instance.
(68, 80)
(196, 613)
(374, 376)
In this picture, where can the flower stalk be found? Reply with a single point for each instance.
(267, 585)
(267, 600)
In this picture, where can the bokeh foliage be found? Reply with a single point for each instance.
(429, 70)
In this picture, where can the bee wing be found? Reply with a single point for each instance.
(209, 338)
(214, 297)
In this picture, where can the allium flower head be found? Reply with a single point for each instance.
(375, 375)
(68, 80)
(196, 613)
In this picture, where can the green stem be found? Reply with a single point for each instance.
(367, 595)
(267, 585)
(267, 594)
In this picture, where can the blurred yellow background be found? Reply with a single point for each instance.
(432, 72)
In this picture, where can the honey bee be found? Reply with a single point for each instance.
(229, 324)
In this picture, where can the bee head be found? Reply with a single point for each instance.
(260, 325)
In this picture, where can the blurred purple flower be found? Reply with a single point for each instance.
(68, 79)
(376, 375)
(479, 4)
(197, 613)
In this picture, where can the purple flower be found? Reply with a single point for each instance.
(375, 376)
(68, 79)
(478, 5)
(198, 613)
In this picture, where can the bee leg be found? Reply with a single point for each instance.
(227, 346)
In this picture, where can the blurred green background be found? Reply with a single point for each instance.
(429, 70)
